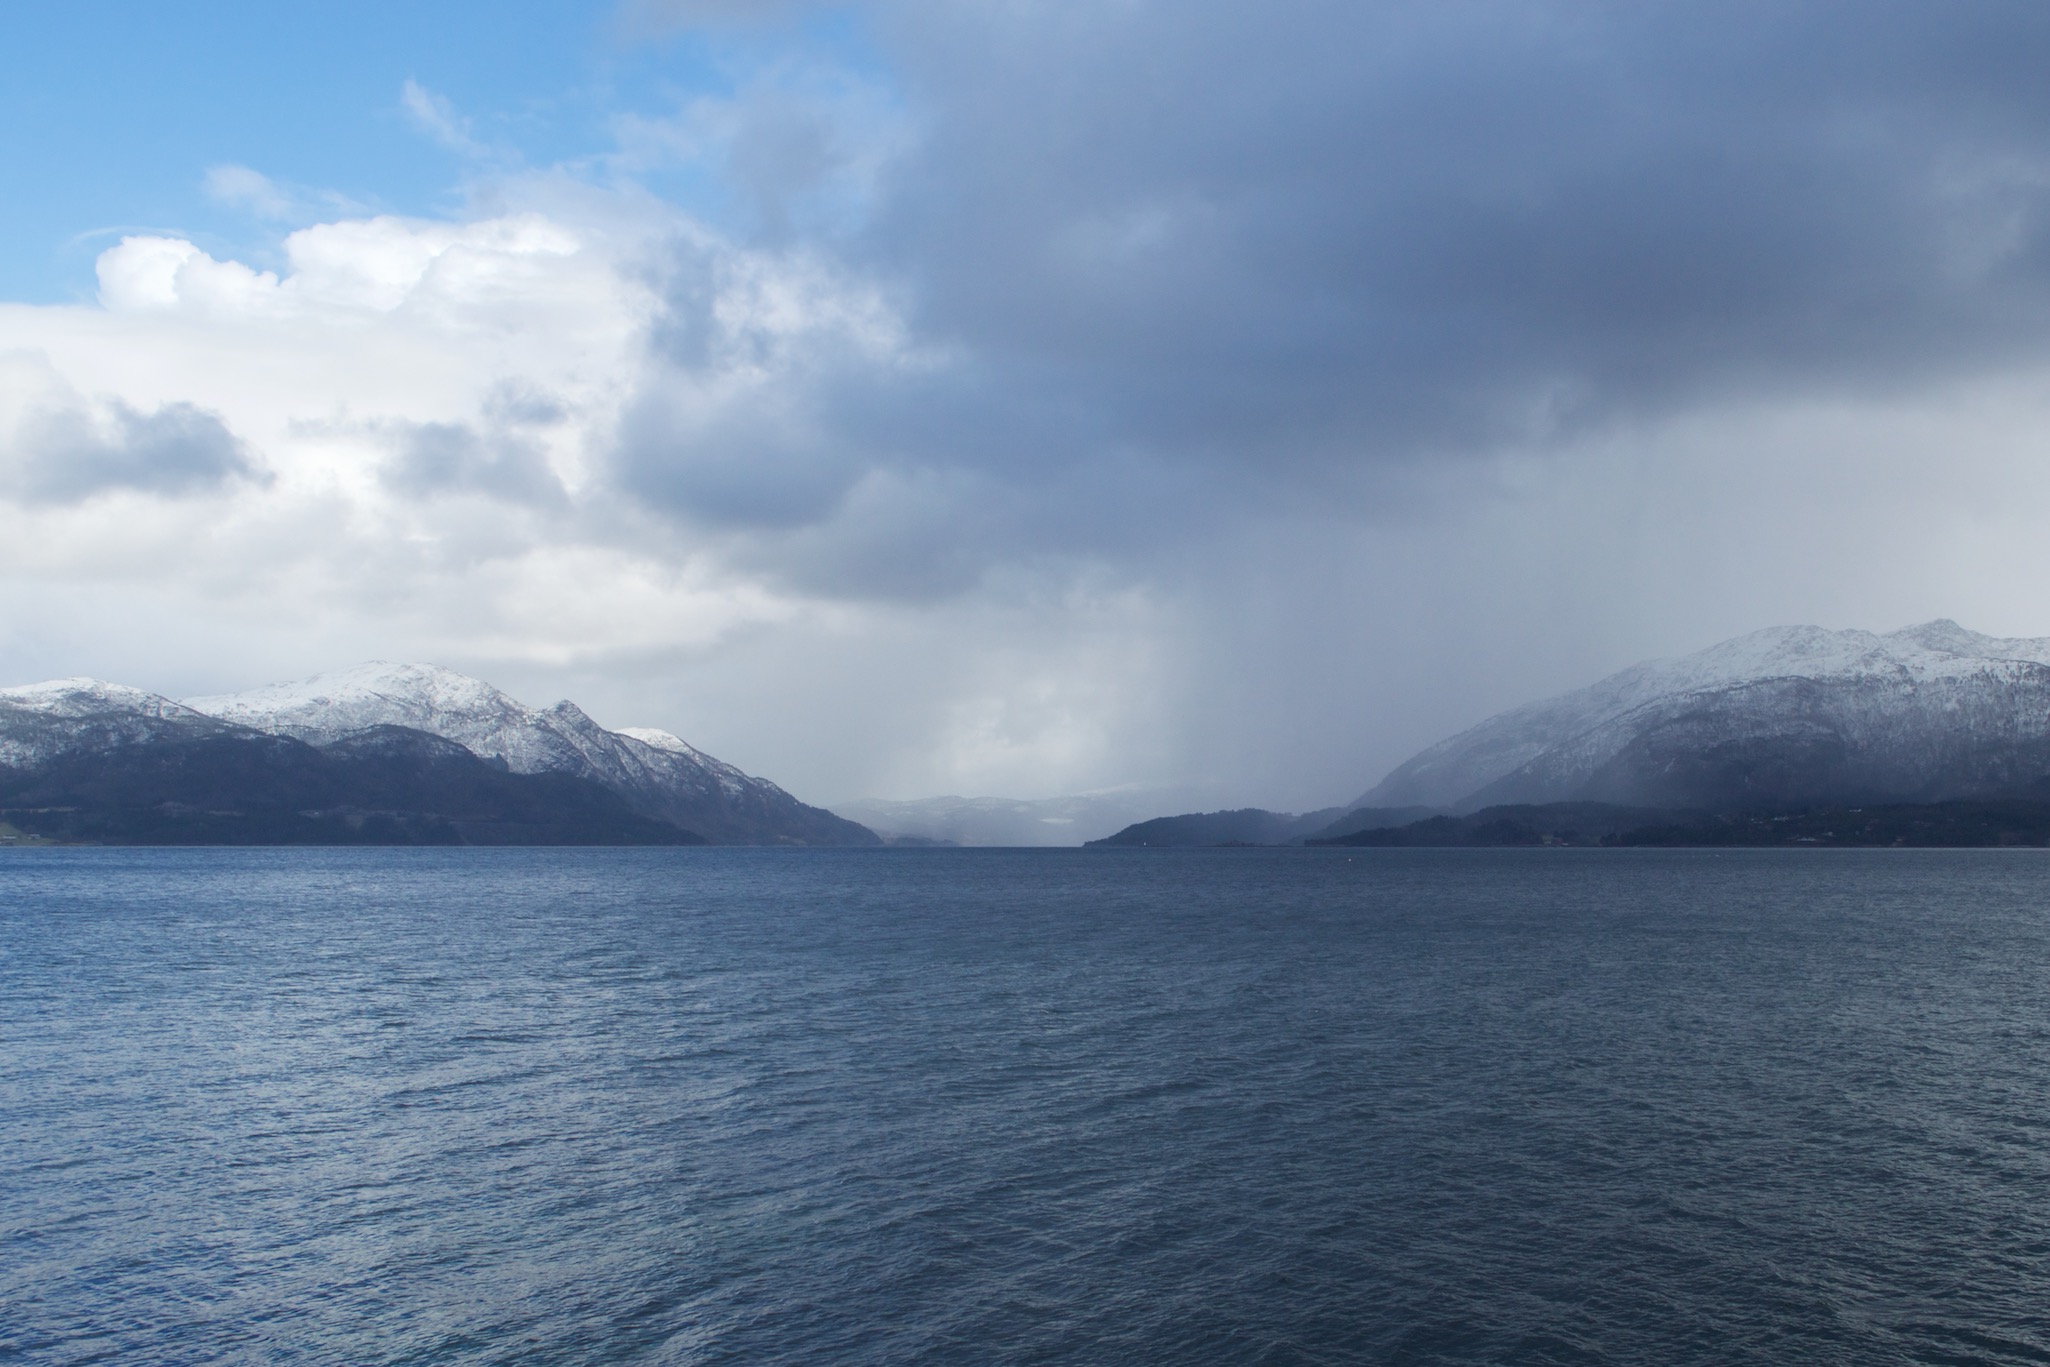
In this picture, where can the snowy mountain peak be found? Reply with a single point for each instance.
(657, 774)
(333, 702)
(660, 740)
(423, 697)
(568, 713)
(672, 780)
(1947, 637)
(81, 696)
(1787, 713)
(1939, 633)
(41, 721)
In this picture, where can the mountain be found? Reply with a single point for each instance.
(1356, 819)
(1246, 826)
(658, 774)
(1789, 716)
(41, 722)
(385, 785)
(1556, 823)
(89, 745)
(2018, 820)
(1935, 825)
(1256, 826)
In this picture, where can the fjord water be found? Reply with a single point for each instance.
(1259, 1106)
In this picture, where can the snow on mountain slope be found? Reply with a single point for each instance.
(729, 778)
(39, 722)
(660, 774)
(1789, 714)
(424, 697)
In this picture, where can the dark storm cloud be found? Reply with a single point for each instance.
(1262, 229)
(500, 457)
(440, 457)
(69, 454)
(1158, 241)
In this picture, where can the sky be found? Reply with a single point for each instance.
(1017, 397)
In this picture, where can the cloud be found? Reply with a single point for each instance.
(148, 274)
(409, 424)
(1187, 297)
(502, 461)
(1305, 252)
(60, 448)
(1341, 232)
(797, 149)
(250, 190)
(436, 116)
(731, 427)
(271, 200)
(372, 265)
(1062, 395)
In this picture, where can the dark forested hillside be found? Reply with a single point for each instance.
(384, 785)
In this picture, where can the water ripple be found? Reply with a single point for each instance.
(1275, 1107)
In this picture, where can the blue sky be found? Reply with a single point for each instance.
(111, 115)
(899, 397)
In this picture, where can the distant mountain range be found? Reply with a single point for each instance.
(384, 753)
(1255, 826)
(1788, 720)
(1006, 821)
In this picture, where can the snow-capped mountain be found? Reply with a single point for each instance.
(658, 773)
(1785, 715)
(40, 722)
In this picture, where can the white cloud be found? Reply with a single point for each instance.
(436, 116)
(250, 190)
(274, 201)
(165, 274)
(374, 265)
(406, 434)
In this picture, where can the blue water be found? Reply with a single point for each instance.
(1236, 1106)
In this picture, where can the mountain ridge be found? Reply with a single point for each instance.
(656, 774)
(384, 785)
(1255, 826)
(660, 774)
(1786, 715)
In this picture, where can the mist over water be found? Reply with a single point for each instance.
(1273, 1106)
